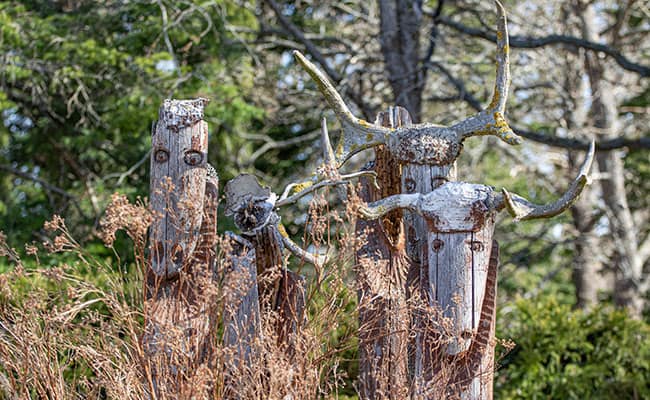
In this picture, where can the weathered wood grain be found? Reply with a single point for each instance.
(458, 225)
(178, 319)
(381, 279)
(243, 363)
(281, 291)
(178, 159)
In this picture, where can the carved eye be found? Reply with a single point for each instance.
(193, 158)
(410, 185)
(161, 155)
(476, 245)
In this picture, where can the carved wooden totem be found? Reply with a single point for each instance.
(265, 290)
(184, 199)
(452, 258)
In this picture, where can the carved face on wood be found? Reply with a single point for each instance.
(178, 173)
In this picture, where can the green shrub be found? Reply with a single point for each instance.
(562, 353)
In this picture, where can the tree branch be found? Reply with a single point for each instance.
(309, 45)
(644, 249)
(273, 144)
(48, 186)
(555, 141)
(311, 48)
(527, 42)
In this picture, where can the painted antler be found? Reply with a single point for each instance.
(422, 143)
(520, 208)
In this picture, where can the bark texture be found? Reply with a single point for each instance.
(243, 364)
(400, 22)
(454, 316)
(629, 284)
(381, 277)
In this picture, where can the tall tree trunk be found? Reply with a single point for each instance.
(400, 44)
(587, 273)
(626, 261)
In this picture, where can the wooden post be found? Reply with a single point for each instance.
(269, 293)
(242, 325)
(446, 254)
(178, 329)
(451, 243)
(449, 227)
(381, 269)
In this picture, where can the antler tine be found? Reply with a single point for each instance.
(502, 82)
(379, 208)
(522, 209)
(328, 153)
(491, 121)
(357, 134)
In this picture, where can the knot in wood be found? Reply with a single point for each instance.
(254, 214)
(427, 144)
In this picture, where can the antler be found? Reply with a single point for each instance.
(326, 175)
(357, 134)
(491, 120)
(522, 209)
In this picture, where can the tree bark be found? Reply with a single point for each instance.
(627, 264)
(587, 268)
(381, 278)
(400, 22)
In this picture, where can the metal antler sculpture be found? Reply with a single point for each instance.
(448, 228)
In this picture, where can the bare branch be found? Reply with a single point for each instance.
(46, 185)
(583, 144)
(555, 141)
(284, 200)
(526, 42)
(123, 175)
(297, 250)
(273, 144)
(309, 45)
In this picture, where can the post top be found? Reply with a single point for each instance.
(178, 114)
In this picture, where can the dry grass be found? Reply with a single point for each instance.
(64, 336)
(70, 338)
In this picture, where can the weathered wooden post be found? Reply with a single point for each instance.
(184, 195)
(382, 267)
(449, 227)
(270, 293)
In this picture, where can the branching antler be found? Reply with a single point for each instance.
(357, 134)
(326, 175)
(426, 143)
(522, 209)
(491, 121)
